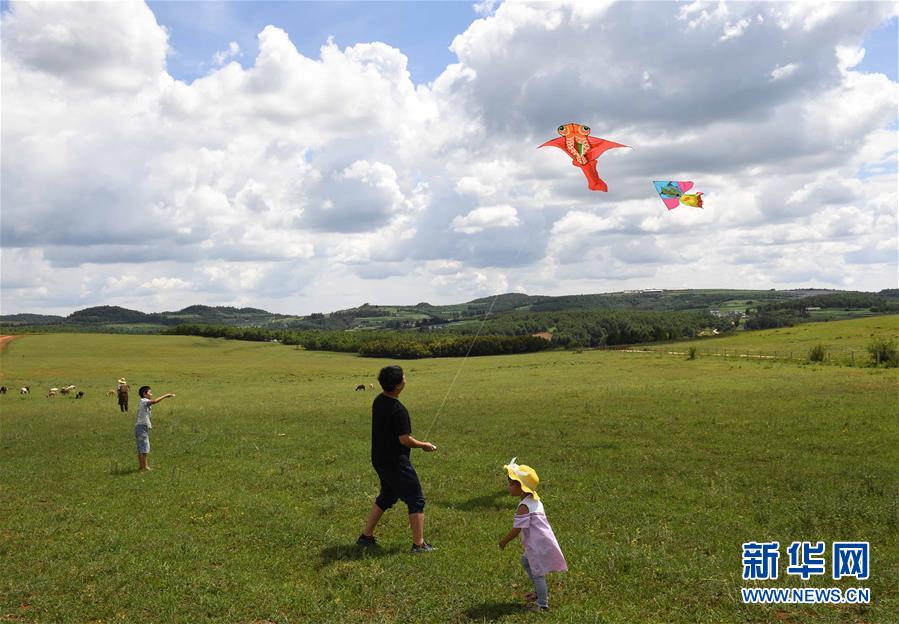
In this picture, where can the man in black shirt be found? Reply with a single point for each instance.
(391, 442)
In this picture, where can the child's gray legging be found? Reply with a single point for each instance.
(539, 582)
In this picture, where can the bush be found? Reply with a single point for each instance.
(817, 353)
(883, 351)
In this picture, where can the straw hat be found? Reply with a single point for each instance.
(525, 475)
(122, 380)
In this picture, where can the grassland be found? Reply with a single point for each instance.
(844, 341)
(654, 471)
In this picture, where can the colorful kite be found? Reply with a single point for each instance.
(584, 150)
(675, 193)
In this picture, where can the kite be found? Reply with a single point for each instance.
(675, 193)
(584, 150)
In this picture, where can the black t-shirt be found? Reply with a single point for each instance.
(389, 421)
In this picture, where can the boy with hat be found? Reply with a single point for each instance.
(541, 549)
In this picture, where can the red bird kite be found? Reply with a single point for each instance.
(584, 150)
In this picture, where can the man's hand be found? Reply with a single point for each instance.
(502, 545)
(428, 447)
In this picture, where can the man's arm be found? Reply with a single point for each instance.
(164, 396)
(409, 442)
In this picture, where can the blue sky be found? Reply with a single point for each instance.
(422, 30)
(882, 50)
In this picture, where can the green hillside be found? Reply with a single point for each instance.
(844, 341)
(754, 309)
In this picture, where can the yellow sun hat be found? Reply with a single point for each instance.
(122, 380)
(525, 475)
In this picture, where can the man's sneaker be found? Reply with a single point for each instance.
(366, 540)
(533, 607)
(425, 547)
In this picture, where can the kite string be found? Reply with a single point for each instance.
(470, 346)
(461, 364)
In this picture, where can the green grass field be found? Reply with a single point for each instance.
(654, 470)
(844, 341)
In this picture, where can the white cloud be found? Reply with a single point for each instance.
(783, 71)
(169, 283)
(474, 186)
(732, 31)
(848, 57)
(311, 183)
(103, 45)
(486, 217)
(233, 51)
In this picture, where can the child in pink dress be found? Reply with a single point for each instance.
(541, 549)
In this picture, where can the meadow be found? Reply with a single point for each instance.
(654, 470)
(845, 342)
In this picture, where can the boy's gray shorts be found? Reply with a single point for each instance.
(142, 433)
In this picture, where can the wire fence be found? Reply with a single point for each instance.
(840, 358)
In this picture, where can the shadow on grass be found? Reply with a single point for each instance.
(491, 501)
(351, 552)
(492, 611)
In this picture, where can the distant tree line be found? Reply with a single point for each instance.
(875, 302)
(512, 333)
(602, 327)
(404, 345)
(793, 311)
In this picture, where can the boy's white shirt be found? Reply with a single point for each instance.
(143, 413)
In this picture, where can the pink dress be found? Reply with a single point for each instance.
(540, 544)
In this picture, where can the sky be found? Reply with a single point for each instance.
(309, 157)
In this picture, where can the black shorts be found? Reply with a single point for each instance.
(399, 482)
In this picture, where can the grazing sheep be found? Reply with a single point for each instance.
(66, 389)
(52, 392)
(2, 389)
(110, 392)
(360, 387)
(80, 394)
(24, 389)
(371, 386)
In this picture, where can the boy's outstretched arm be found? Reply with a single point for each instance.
(164, 396)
